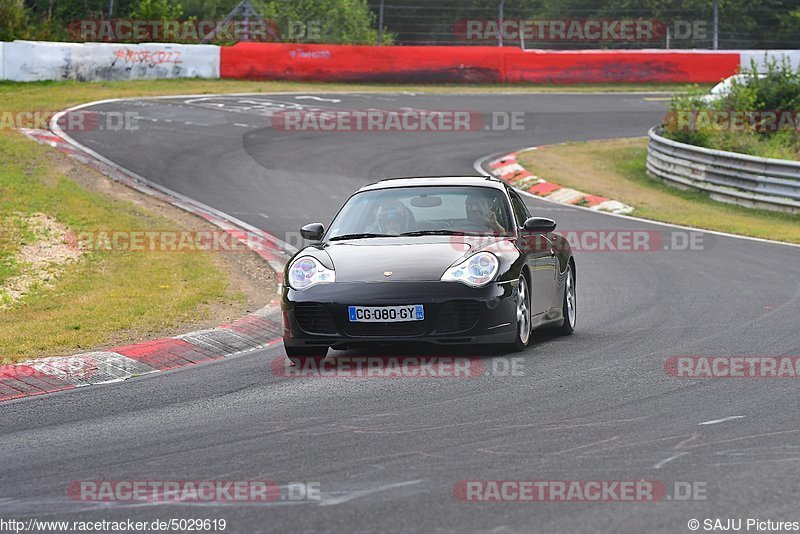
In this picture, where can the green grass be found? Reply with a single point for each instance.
(106, 297)
(616, 169)
(9, 245)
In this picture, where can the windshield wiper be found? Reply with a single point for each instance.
(436, 232)
(357, 236)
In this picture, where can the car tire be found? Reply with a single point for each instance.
(569, 307)
(523, 306)
(300, 355)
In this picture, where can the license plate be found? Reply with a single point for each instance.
(385, 314)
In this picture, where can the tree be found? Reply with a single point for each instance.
(12, 19)
(157, 10)
(329, 21)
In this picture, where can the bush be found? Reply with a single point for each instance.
(775, 89)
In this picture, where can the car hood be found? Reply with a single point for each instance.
(407, 259)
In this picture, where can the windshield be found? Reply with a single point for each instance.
(423, 211)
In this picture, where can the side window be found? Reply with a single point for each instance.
(521, 212)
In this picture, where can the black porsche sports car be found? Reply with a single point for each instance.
(443, 260)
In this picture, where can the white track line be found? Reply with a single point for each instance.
(333, 501)
(724, 419)
(665, 461)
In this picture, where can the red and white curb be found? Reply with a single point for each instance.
(46, 375)
(510, 171)
(260, 329)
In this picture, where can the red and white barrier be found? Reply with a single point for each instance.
(471, 64)
(620, 66)
(428, 64)
(33, 61)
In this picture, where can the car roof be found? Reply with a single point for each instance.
(417, 181)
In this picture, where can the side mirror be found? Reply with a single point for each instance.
(539, 225)
(312, 232)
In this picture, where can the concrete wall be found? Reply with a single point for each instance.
(762, 56)
(27, 61)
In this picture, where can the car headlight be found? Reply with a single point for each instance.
(476, 271)
(307, 271)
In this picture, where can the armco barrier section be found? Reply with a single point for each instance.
(727, 176)
(470, 64)
(27, 61)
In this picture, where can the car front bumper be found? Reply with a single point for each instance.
(455, 314)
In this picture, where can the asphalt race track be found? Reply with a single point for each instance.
(387, 453)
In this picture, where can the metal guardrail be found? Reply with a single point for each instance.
(727, 176)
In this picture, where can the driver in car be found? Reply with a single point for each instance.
(481, 213)
(391, 217)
